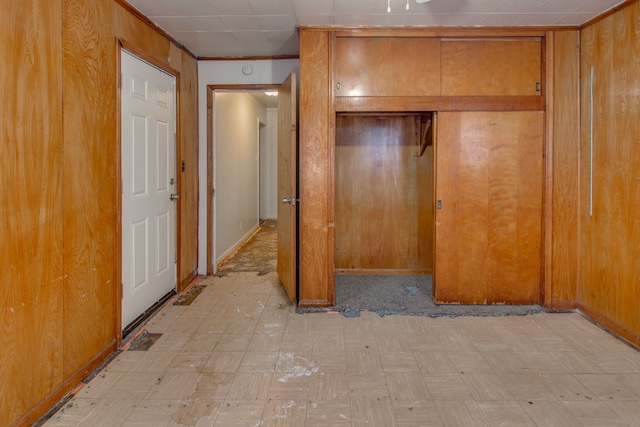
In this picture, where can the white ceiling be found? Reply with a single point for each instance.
(249, 28)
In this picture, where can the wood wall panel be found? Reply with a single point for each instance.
(565, 163)
(188, 151)
(610, 234)
(30, 205)
(91, 173)
(382, 209)
(387, 66)
(316, 255)
(488, 232)
(60, 238)
(90, 182)
(485, 67)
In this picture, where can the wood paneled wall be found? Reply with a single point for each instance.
(610, 197)
(316, 215)
(31, 234)
(383, 196)
(564, 97)
(60, 157)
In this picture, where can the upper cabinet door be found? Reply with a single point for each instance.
(484, 67)
(401, 66)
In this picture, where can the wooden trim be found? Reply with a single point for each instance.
(191, 277)
(135, 12)
(179, 183)
(145, 56)
(606, 14)
(68, 385)
(434, 183)
(243, 88)
(303, 303)
(546, 293)
(210, 265)
(119, 191)
(331, 173)
(562, 306)
(382, 272)
(247, 58)
(438, 31)
(610, 326)
(210, 159)
(439, 103)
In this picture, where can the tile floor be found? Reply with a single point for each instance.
(239, 355)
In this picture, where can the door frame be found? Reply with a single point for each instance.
(210, 257)
(121, 45)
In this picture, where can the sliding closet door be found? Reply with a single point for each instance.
(489, 171)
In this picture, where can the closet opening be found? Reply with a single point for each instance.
(384, 199)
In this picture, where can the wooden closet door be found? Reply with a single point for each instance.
(386, 66)
(489, 173)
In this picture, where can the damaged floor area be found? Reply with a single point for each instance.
(237, 354)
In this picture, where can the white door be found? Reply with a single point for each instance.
(148, 183)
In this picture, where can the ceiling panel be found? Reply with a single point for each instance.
(245, 28)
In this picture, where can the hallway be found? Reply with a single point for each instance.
(237, 354)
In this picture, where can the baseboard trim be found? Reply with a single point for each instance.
(304, 303)
(49, 402)
(610, 326)
(562, 306)
(382, 271)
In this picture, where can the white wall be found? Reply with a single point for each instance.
(269, 167)
(220, 73)
(237, 117)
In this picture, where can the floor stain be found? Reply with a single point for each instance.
(144, 341)
(190, 296)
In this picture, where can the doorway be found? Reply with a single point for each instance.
(149, 187)
(242, 168)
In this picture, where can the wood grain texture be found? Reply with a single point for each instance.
(490, 67)
(488, 232)
(90, 172)
(383, 209)
(60, 243)
(30, 205)
(287, 186)
(565, 164)
(386, 104)
(387, 66)
(610, 236)
(316, 284)
(188, 151)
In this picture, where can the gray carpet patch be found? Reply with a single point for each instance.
(406, 295)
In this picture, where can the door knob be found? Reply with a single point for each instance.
(174, 196)
(289, 200)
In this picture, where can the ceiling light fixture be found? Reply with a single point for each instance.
(271, 93)
(388, 6)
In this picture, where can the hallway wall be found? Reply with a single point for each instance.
(269, 168)
(236, 169)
